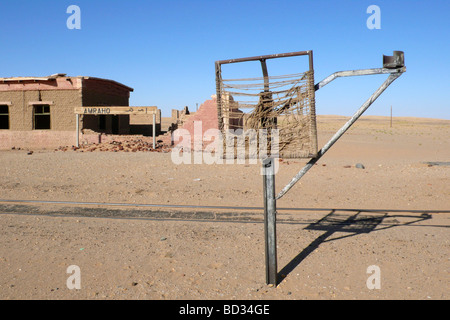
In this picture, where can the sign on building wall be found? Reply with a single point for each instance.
(115, 110)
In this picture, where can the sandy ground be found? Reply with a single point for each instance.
(393, 214)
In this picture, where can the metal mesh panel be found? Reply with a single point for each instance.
(286, 103)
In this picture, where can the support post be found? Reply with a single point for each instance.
(77, 117)
(154, 131)
(219, 95)
(270, 233)
(265, 75)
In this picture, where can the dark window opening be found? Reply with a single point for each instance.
(115, 124)
(41, 117)
(102, 122)
(4, 117)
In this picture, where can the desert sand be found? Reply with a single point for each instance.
(332, 226)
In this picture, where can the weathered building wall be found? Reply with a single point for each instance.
(143, 124)
(97, 92)
(62, 94)
(195, 125)
(38, 139)
(59, 94)
(62, 97)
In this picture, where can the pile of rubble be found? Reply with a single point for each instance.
(137, 145)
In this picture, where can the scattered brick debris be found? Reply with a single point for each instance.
(137, 145)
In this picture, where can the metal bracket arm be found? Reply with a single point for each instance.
(394, 74)
(352, 73)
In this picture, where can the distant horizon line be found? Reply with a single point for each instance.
(363, 116)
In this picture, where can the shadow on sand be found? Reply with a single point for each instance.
(352, 222)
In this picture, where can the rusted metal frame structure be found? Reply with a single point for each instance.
(268, 164)
(392, 65)
(262, 59)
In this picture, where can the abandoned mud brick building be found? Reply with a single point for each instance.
(38, 112)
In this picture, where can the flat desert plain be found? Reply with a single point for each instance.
(334, 225)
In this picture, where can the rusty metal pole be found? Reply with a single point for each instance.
(270, 232)
(270, 218)
(265, 75)
(219, 95)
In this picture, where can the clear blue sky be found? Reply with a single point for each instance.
(166, 49)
